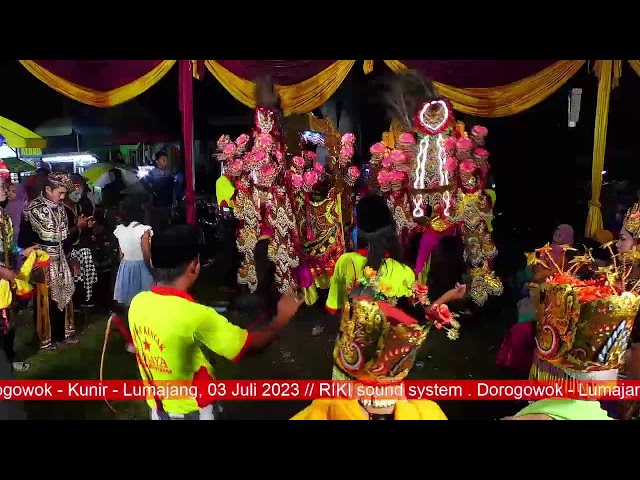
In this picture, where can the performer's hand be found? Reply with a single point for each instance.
(28, 251)
(6, 274)
(458, 292)
(82, 221)
(287, 308)
(75, 267)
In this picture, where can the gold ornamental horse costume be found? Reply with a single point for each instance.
(434, 178)
(322, 201)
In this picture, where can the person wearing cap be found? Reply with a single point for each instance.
(172, 332)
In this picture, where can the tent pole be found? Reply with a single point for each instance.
(185, 95)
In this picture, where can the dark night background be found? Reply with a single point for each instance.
(541, 167)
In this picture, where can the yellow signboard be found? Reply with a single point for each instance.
(30, 152)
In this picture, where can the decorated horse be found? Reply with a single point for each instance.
(433, 174)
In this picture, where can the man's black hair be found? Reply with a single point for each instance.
(172, 250)
(160, 154)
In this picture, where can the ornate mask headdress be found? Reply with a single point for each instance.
(583, 326)
(379, 340)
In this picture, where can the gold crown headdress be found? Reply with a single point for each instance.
(583, 326)
(631, 221)
(378, 341)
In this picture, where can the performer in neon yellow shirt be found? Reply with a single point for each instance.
(381, 331)
(171, 332)
(379, 249)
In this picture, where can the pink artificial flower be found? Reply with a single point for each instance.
(384, 177)
(467, 166)
(353, 172)
(450, 163)
(311, 156)
(481, 153)
(264, 140)
(464, 144)
(259, 156)
(278, 156)
(450, 144)
(296, 180)
(479, 131)
(378, 149)
(298, 162)
(407, 138)
(236, 165)
(229, 148)
(250, 158)
(398, 156)
(396, 176)
(268, 170)
(222, 141)
(387, 162)
(319, 168)
(310, 178)
(348, 139)
(346, 151)
(242, 140)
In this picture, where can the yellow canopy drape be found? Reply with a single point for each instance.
(608, 73)
(505, 100)
(302, 97)
(97, 98)
(17, 136)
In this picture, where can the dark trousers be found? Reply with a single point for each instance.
(7, 341)
(265, 272)
(80, 296)
(229, 259)
(56, 320)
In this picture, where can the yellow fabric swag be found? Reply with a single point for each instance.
(302, 97)
(97, 98)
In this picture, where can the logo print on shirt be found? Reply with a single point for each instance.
(152, 350)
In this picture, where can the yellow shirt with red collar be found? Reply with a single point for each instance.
(349, 269)
(169, 331)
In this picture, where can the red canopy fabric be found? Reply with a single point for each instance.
(100, 75)
(478, 73)
(283, 72)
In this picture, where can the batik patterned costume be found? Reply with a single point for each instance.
(420, 178)
(45, 224)
(263, 200)
(88, 276)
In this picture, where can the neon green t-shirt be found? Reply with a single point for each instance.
(562, 409)
(349, 269)
(224, 191)
(169, 330)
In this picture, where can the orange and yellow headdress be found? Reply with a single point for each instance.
(380, 335)
(583, 326)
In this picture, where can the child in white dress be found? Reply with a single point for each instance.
(134, 241)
